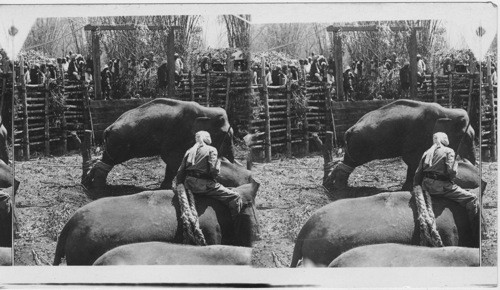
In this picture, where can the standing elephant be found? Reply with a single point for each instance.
(389, 217)
(164, 127)
(150, 216)
(402, 128)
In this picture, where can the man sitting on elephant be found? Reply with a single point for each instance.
(435, 173)
(199, 168)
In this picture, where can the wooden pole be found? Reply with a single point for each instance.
(86, 153)
(471, 89)
(230, 67)
(171, 64)
(64, 133)
(493, 122)
(434, 90)
(339, 80)
(450, 90)
(96, 56)
(207, 88)
(305, 137)
(26, 134)
(288, 120)
(47, 116)
(412, 51)
(267, 141)
(191, 86)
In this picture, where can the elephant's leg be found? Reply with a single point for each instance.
(97, 175)
(173, 161)
(338, 176)
(412, 162)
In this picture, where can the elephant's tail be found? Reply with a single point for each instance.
(61, 245)
(297, 252)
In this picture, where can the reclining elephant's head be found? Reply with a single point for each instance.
(221, 133)
(460, 134)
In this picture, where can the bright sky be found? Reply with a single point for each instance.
(462, 18)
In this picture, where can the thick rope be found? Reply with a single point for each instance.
(429, 235)
(189, 216)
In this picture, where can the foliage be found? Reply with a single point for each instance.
(272, 58)
(295, 39)
(142, 42)
(238, 30)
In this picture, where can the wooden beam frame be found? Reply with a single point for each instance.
(367, 28)
(337, 43)
(96, 53)
(126, 27)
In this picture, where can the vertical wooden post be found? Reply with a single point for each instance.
(471, 89)
(450, 90)
(412, 51)
(47, 116)
(207, 88)
(230, 67)
(305, 132)
(191, 84)
(64, 133)
(267, 145)
(493, 121)
(26, 134)
(86, 153)
(96, 56)
(339, 80)
(171, 64)
(288, 120)
(434, 90)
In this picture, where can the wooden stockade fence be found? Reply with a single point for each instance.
(44, 115)
(286, 115)
(289, 131)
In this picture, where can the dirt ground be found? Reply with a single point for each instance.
(290, 192)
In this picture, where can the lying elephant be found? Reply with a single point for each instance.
(5, 256)
(164, 127)
(149, 216)
(389, 217)
(397, 255)
(158, 253)
(402, 128)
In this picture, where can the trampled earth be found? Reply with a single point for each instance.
(290, 192)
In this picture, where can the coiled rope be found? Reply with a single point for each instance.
(429, 235)
(189, 216)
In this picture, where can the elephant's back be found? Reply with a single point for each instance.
(397, 255)
(110, 222)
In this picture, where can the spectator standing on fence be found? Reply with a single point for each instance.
(268, 79)
(421, 68)
(348, 88)
(179, 67)
(314, 73)
(284, 75)
(89, 69)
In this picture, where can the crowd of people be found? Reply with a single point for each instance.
(388, 78)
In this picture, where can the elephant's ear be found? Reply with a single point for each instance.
(443, 125)
(201, 124)
(219, 121)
